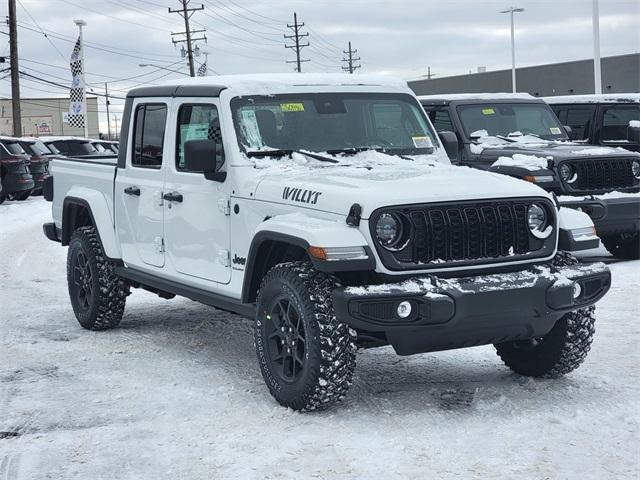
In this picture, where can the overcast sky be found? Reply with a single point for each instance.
(395, 37)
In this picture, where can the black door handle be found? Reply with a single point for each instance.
(173, 197)
(132, 191)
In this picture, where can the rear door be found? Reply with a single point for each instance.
(139, 185)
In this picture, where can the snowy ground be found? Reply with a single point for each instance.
(176, 393)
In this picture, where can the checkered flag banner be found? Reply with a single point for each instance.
(77, 106)
(202, 70)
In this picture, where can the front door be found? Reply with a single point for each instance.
(197, 220)
(138, 188)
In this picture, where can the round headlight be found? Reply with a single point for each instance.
(388, 230)
(536, 217)
(568, 173)
(635, 168)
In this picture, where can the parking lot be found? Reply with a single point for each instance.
(175, 393)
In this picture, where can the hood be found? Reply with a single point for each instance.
(549, 149)
(380, 180)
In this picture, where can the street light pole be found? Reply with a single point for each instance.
(597, 77)
(511, 11)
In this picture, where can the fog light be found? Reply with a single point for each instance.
(404, 309)
(577, 290)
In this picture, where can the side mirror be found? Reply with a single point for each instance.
(633, 133)
(450, 142)
(569, 131)
(202, 156)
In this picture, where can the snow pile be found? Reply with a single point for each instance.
(528, 162)
(477, 96)
(485, 141)
(596, 98)
(634, 123)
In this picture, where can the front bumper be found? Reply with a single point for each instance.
(456, 313)
(610, 216)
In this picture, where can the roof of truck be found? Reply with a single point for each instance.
(444, 98)
(63, 138)
(604, 98)
(267, 83)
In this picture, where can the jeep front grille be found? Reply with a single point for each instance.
(601, 174)
(466, 233)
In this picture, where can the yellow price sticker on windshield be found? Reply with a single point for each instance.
(488, 111)
(292, 107)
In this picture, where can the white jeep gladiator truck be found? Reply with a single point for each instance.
(325, 208)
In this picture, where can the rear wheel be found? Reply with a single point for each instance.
(307, 357)
(624, 245)
(97, 294)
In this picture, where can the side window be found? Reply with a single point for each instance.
(615, 122)
(149, 126)
(579, 119)
(441, 120)
(197, 122)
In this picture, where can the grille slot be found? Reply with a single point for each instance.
(467, 233)
(603, 174)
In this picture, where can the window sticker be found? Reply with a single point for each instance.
(422, 142)
(194, 131)
(555, 130)
(250, 127)
(488, 111)
(292, 107)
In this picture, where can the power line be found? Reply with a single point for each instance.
(41, 31)
(297, 46)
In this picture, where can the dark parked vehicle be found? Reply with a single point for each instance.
(39, 157)
(105, 146)
(17, 182)
(74, 147)
(611, 120)
(519, 135)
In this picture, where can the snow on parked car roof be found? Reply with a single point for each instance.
(279, 80)
(7, 138)
(604, 98)
(63, 138)
(477, 96)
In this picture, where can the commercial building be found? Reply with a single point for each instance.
(47, 116)
(620, 74)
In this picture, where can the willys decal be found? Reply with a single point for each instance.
(300, 195)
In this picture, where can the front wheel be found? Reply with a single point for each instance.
(307, 357)
(557, 353)
(624, 245)
(97, 294)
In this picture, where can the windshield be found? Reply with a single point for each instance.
(333, 122)
(502, 119)
(14, 148)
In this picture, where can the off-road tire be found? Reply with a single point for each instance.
(560, 351)
(105, 304)
(626, 247)
(330, 351)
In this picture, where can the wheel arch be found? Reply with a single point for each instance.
(90, 210)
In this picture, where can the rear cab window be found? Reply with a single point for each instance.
(148, 135)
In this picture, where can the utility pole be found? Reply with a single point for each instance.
(186, 13)
(350, 59)
(597, 77)
(295, 28)
(115, 118)
(429, 74)
(106, 96)
(15, 72)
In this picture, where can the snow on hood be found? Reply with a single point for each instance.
(374, 180)
(600, 151)
(528, 162)
(486, 141)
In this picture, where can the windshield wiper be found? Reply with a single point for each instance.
(284, 152)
